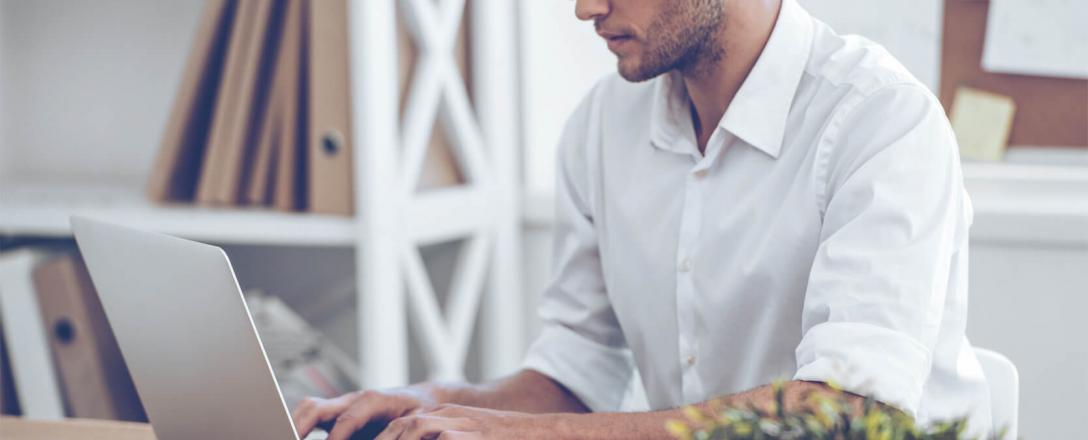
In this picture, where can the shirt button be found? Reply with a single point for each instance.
(689, 360)
(700, 174)
(685, 265)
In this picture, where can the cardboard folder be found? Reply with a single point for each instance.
(93, 374)
(181, 152)
(278, 133)
(240, 105)
(329, 143)
(256, 191)
(289, 176)
(225, 117)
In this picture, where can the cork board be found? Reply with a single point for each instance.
(1051, 112)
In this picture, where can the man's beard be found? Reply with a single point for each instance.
(686, 37)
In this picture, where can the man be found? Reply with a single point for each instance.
(760, 199)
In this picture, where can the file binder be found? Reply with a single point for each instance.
(289, 177)
(181, 151)
(260, 176)
(277, 131)
(257, 186)
(95, 379)
(241, 105)
(329, 145)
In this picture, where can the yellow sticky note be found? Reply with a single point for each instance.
(982, 122)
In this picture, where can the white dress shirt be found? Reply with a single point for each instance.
(822, 236)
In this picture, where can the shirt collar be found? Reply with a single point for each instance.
(759, 111)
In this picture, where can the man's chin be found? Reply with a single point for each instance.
(632, 71)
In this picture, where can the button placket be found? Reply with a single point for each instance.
(687, 265)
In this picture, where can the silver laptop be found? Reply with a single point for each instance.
(186, 335)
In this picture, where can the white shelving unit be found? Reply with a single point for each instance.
(394, 219)
(393, 285)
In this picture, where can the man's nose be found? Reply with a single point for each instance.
(591, 9)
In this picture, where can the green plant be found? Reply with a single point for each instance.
(828, 416)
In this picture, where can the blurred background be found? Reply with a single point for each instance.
(282, 133)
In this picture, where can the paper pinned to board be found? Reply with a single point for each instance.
(982, 122)
(1037, 37)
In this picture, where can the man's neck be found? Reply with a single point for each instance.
(712, 86)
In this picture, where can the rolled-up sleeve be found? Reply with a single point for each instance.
(894, 216)
(581, 345)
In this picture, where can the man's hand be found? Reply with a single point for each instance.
(456, 422)
(526, 391)
(354, 411)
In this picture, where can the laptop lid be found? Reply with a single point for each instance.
(185, 333)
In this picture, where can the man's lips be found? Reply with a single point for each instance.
(609, 35)
(615, 40)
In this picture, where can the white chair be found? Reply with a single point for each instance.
(1004, 390)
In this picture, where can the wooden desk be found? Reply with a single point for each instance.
(14, 428)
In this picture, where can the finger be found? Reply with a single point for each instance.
(305, 415)
(450, 410)
(458, 435)
(394, 429)
(427, 427)
(302, 416)
(313, 411)
(416, 427)
(355, 417)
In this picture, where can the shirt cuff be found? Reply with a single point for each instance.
(597, 374)
(865, 359)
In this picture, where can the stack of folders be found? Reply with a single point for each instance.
(262, 115)
(305, 362)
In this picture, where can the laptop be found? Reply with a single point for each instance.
(186, 335)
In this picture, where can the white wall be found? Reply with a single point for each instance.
(909, 29)
(99, 117)
(1028, 303)
(561, 58)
